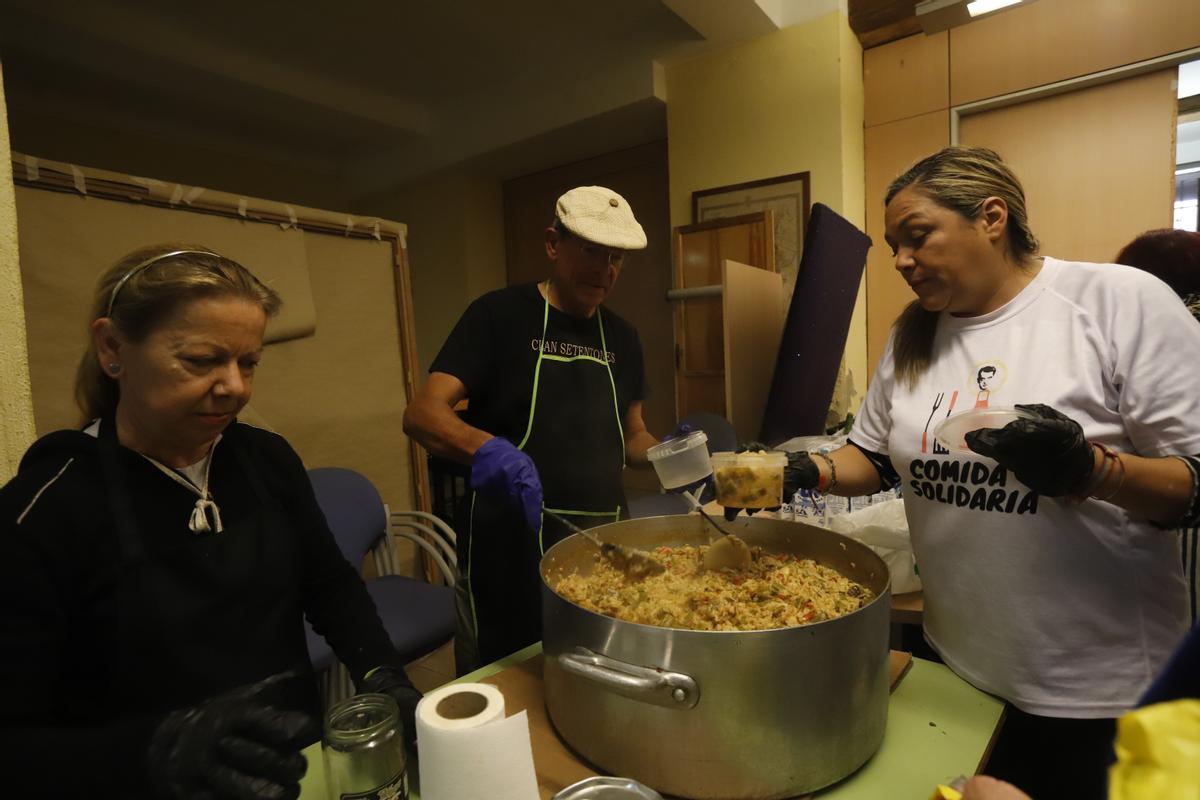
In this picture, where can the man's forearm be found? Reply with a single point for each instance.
(636, 447)
(440, 430)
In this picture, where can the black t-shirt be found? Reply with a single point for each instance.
(493, 350)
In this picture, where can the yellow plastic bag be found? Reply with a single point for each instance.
(1158, 753)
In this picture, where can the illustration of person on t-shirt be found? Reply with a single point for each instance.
(984, 379)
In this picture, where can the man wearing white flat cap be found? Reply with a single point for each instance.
(555, 384)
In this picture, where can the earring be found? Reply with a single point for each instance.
(114, 368)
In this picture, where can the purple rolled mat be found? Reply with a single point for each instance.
(818, 319)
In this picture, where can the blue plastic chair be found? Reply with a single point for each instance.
(721, 435)
(418, 616)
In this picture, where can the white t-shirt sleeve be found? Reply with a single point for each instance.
(1156, 368)
(873, 425)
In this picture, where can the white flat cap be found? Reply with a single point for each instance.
(600, 215)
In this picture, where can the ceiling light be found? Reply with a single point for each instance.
(980, 7)
(938, 15)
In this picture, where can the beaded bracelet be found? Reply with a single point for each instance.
(832, 481)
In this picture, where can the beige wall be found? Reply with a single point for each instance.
(787, 102)
(16, 400)
(911, 84)
(455, 249)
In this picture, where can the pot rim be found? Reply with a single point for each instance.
(885, 592)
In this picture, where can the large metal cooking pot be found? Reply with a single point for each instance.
(719, 714)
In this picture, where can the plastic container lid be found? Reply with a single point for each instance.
(951, 431)
(681, 460)
(605, 788)
(768, 459)
(679, 444)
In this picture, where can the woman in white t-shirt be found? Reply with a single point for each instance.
(1049, 576)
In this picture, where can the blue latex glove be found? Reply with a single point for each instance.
(499, 468)
(682, 429)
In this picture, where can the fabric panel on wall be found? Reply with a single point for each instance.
(341, 392)
(337, 396)
(68, 240)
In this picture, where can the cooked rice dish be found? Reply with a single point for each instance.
(748, 487)
(775, 591)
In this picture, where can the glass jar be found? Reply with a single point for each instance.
(363, 748)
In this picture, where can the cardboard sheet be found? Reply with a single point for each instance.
(557, 766)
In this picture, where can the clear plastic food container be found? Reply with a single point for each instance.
(681, 460)
(749, 480)
(950, 433)
(605, 788)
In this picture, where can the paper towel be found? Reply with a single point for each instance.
(468, 750)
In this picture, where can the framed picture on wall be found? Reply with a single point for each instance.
(787, 196)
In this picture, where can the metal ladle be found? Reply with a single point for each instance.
(636, 564)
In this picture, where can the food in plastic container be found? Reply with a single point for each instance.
(749, 480)
(681, 460)
(949, 432)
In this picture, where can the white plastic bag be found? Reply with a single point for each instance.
(884, 528)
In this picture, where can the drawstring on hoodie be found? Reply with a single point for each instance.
(198, 523)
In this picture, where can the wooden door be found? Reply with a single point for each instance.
(699, 252)
(1097, 163)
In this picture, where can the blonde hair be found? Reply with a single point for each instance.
(143, 290)
(961, 179)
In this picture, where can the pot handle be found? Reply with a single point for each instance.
(649, 685)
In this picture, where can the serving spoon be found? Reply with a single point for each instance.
(635, 564)
(728, 552)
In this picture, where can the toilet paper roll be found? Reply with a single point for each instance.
(467, 748)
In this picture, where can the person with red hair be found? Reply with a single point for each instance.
(1172, 256)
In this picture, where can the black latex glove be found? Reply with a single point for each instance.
(1049, 454)
(232, 746)
(394, 682)
(801, 472)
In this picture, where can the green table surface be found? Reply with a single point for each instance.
(938, 728)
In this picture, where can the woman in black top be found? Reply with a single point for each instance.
(156, 567)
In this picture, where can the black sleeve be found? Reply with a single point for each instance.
(888, 477)
(36, 652)
(468, 352)
(634, 374)
(335, 598)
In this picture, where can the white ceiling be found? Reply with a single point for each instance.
(376, 92)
